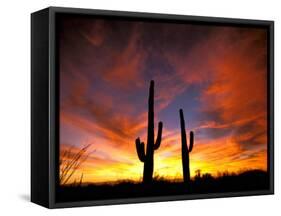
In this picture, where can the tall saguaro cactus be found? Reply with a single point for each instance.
(185, 150)
(147, 156)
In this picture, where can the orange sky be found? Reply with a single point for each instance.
(216, 74)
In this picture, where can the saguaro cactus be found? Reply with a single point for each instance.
(185, 150)
(147, 156)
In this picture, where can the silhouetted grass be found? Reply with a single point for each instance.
(203, 184)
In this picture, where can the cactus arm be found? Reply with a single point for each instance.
(140, 149)
(191, 141)
(159, 136)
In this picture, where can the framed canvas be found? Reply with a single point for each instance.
(139, 107)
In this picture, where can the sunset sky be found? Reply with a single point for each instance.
(216, 74)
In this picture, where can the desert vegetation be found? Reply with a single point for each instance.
(69, 163)
(185, 149)
(147, 156)
(200, 184)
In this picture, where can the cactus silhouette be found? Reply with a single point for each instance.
(147, 156)
(185, 150)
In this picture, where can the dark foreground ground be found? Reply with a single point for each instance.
(246, 181)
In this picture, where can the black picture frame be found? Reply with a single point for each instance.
(45, 100)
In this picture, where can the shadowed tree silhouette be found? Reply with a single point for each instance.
(197, 174)
(247, 181)
(185, 150)
(147, 156)
(69, 163)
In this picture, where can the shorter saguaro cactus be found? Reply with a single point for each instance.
(185, 150)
